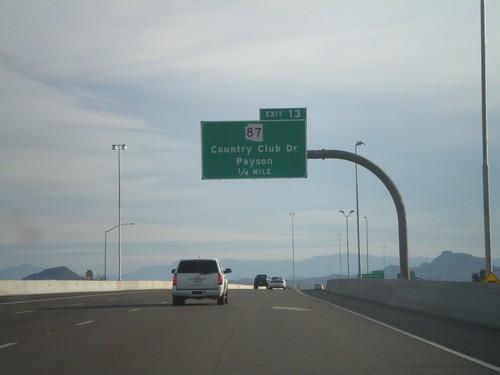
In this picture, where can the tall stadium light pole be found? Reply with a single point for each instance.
(119, 147)
(367, 266)
(347, 236)
(340, 255)
(358, 143)
(105, 246)
(486, 177)
(292, 214)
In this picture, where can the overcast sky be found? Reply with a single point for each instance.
(402, 76)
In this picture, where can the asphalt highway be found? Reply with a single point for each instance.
(257, 332)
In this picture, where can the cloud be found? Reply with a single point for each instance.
(404, 77)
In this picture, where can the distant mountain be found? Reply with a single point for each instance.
(57, 273)
(448, 266)
(451, 266)
(152, 273)
(245, 270)
(19, 272)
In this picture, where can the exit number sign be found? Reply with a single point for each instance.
(282, 113)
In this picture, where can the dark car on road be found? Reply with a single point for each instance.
(261, 280)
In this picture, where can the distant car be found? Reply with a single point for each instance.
(277, 282)
(261, 280)
(199, 279)
(318, 286)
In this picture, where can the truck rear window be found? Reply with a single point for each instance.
(198, 266)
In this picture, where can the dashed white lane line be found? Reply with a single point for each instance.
(7, 345)
(86, 322)
(134, 310)
(24, 312)
(289, 308)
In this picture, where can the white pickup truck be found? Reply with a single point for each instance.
(199, 279)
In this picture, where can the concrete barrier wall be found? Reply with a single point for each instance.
(240, 286)
(25, 287)
(477, 303)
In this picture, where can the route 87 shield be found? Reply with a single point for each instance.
(254, 149)
(254, 132)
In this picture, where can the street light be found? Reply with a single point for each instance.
(105, 245)
(486, 173)
(347, 232)
(367, 267)
(119, 147)
(340, 255)
(292, 214)
(383, 251)
(358, 143)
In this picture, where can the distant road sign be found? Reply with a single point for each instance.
(491, 278)
(378, 275)
(254, 149)
(283, 113)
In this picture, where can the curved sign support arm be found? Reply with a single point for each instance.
(396, 196)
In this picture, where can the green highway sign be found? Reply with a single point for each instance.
(253, 149)
(373, 275)
(277, 114)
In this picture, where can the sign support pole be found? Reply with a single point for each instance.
(396, 196)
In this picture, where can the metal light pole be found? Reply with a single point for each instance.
(340, 255)
(383, 251)
(105, 245)
(358, 143)
(486, 178)
(292, 214)
(347, 232)
(119, 147)
(367, 266)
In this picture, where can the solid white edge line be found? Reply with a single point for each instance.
(7, 345)
(421, 339)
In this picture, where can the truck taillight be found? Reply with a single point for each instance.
(174, 282)
(220, 279)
